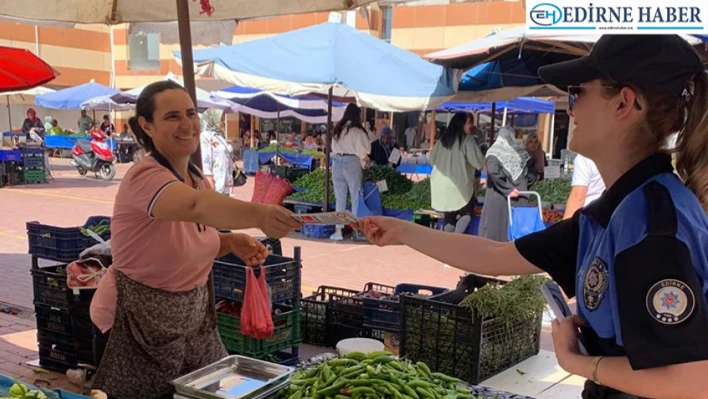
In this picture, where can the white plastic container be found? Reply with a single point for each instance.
(364, 345)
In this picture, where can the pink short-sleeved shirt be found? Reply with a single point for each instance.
(162, 254)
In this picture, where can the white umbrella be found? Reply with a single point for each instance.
(15, 96)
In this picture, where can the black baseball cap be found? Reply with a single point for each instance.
(660, 64)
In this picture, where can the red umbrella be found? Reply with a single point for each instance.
(20, 69)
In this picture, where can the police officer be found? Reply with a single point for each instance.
(637, 258)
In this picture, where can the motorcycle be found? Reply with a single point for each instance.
(94, 156)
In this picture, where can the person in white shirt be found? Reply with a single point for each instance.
(410, 134)
(350, 149)
(587, 185)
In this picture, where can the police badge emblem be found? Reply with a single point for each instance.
(596, 283)
(670, 301)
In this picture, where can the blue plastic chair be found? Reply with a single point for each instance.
(524, 220)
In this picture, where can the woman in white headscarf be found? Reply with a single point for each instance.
(510, 169)
(217, 159)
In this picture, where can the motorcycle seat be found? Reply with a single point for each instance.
(84, 145)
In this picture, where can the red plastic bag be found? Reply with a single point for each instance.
(256, 319)
(277, 191)
(261, 186)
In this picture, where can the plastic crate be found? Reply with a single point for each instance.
(63, 244)
(315, 326)
(34, 175)
(273, 244)
(282, 276)
(286, 333)
(455, 341)
(385, 313)
(318, 230)
(53, 320)
(50, 288)
(53, 357)
(33, 162)
(30, 151)
(346, 313)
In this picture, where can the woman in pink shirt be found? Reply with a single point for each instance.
(156, 300)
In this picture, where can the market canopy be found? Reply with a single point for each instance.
(521, 105)
(311, 109)
(20, 69)
(509, 44)
(332, 55)
(204, 99)
(124, 11)
(72, 97)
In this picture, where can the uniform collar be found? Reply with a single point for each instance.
(602, 209)
(193, 170)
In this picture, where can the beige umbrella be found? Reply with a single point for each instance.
(113, 12)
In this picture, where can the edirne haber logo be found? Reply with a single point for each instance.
(618, 16)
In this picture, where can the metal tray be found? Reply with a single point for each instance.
(234, 377)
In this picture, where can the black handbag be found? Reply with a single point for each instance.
(239, 177)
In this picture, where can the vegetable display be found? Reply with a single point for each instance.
(377, 375)
(554, 191)
(402, 193)
(99, 228)
(20, 391)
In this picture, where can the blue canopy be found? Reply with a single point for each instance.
(332, 55)
(72, 97)
(521, 105)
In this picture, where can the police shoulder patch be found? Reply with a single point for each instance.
(596, 283)
(670, 301)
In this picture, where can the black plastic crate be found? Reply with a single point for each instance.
(455, 341)
(53, 320)
(315, 326)
(285, 358)
(282, 276)
(63, 244)
(346, 313)
(52, 357)
(83, 329)
(385, 313)
(50, 288)
(273, 244)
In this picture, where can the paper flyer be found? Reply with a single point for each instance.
(344, 217)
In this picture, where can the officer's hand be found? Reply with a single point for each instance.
(565, 339)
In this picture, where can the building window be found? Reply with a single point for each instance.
(144, 51)
(386, 22)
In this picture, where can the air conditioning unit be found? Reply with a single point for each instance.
(335, 17)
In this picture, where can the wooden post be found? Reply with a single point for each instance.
(253, 131)
(433, 129)
(185, 46)
(328, 150)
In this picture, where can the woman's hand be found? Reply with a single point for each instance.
(565, 340)
(514, 193)
(251, 251)
(382, 231)
(277, 221)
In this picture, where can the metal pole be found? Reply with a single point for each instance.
(494, 114)
(185, 47)
(504, 117)
(328, 149)
(9, 115)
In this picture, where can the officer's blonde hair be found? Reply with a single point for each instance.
(666, 115)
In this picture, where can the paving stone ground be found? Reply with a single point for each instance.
(70, 199)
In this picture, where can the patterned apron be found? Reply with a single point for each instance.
(157, 336)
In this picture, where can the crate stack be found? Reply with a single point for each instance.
(64, 328)
(283, 277)
(458, 342)
(33, 169)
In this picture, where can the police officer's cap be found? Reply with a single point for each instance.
(659, 64)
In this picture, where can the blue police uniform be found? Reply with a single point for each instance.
(637, 261)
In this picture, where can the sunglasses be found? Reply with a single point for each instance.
(575, 91)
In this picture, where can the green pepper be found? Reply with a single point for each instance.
(410, 391)
(383, 359)
(374, 355)
(333, 390)
(358, 356)
(424, 393)
(419, 384)
(363, 391)
(446, 378)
